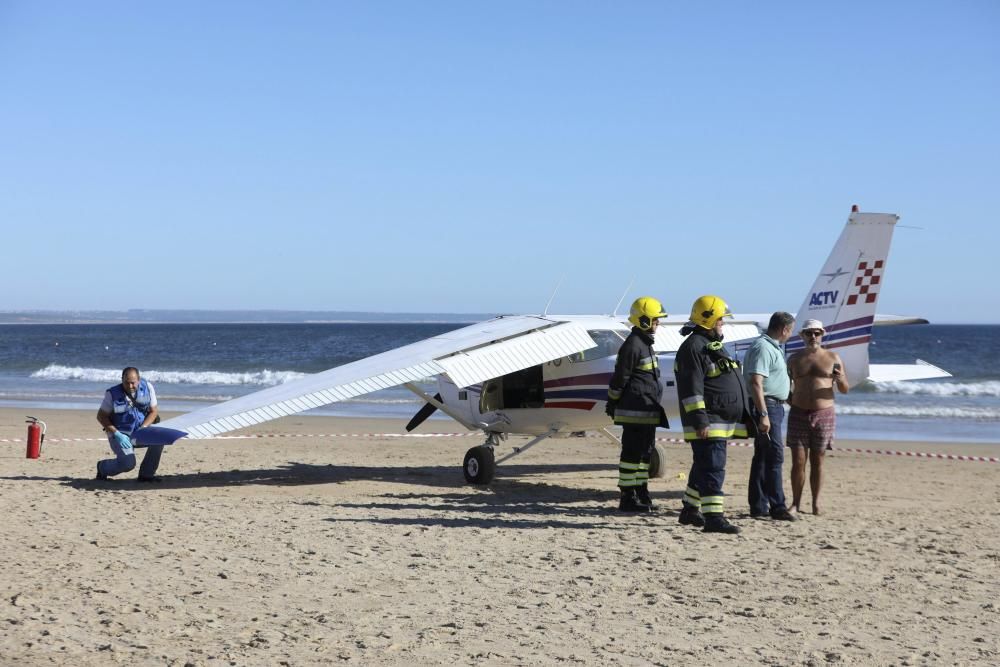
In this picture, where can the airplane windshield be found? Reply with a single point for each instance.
(608, 342)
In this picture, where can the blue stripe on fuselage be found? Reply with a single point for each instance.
(593, 394)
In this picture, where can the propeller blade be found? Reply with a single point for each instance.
(423, 413)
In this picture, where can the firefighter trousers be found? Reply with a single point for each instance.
(637, 448)
(708, 472)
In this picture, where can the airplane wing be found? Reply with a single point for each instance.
(468, 355)
(668, 336)
(921, 370)
(892, 320)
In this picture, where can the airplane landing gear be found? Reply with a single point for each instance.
(658, 462)
(479, 465)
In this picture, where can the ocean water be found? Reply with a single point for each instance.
(70, 366)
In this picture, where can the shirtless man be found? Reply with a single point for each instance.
(811, 420)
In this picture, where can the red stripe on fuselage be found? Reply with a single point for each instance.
(571, 405)
(848, 343)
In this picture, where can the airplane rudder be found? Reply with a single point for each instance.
(848, 285)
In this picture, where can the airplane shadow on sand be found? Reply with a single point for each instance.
(512, 504)
(297, 474)
(521, 496)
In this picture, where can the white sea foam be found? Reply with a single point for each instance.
(96, 396)
(48, 396)
(265, 377)
(984, 414)
(988, 388)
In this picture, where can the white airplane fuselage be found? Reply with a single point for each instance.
(565, 394)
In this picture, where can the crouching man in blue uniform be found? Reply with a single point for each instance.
(126, 408)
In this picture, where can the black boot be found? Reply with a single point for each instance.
(717, 523)
(629, 503)
(642, 497)
(691, 516)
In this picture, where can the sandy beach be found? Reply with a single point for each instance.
(279, 550)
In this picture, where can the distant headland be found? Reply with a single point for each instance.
(143, 316)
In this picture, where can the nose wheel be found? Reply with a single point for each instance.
(479, 465)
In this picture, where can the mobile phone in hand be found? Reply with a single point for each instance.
(836, 368)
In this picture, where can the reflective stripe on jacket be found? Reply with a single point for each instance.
(710, 388)
(636, 382)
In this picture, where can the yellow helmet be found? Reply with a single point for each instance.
(708, 310)
(644, 310)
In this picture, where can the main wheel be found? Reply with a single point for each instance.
(658, 462)
(479, 465)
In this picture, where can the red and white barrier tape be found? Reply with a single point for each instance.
(922, 455)
(253, 436)
(885, 452)
(731, 443)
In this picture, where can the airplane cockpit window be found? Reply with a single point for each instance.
(608, 342)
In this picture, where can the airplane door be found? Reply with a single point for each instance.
(491, 398)
(522, 389)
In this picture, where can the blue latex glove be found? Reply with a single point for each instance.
(124, 441)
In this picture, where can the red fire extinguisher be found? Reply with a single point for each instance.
(36, 436)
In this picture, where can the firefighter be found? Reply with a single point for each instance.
(713, 406)
(634, 403)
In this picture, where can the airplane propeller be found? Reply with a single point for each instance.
(422, 414)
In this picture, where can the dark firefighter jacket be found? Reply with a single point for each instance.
(635, 387)
(710, 388)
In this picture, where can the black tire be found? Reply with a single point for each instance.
(479, 465)
(658, 462)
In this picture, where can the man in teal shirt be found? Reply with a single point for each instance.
(767, 378)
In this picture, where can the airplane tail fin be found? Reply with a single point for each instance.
(846, 291)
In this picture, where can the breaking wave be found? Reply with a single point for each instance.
(988, 388)
(983, 414)
(61, 396)
(263, 378)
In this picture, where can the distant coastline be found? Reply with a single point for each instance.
(142, 316)
(166, 316)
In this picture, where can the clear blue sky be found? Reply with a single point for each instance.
(462, 156)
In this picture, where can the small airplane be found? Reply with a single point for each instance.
(545, 375)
